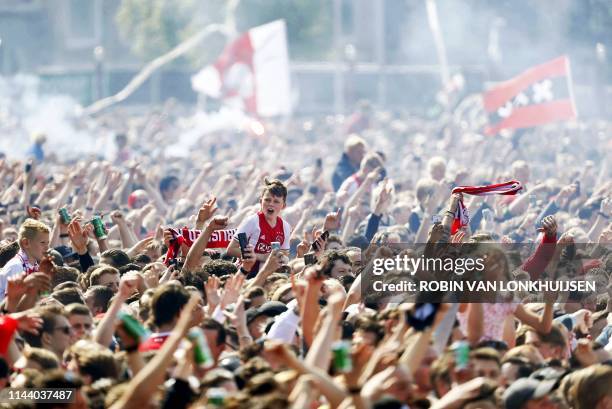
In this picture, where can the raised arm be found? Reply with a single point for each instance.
(197, 249)
(145, 383)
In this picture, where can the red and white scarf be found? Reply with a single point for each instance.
(462, 218)
(219, 239)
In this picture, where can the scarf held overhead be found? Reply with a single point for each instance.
(462, 218)
(218, 239)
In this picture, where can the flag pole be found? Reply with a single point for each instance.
(434, 26)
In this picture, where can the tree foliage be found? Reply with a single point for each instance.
(152, 27)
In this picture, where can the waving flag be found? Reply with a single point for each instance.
(462, 217)
(540, 95)
(252, 72)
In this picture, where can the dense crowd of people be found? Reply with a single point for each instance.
(231, 277)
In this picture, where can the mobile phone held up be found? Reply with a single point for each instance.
(310, 259)
(422, 315)
(315, 246)
(243, 241)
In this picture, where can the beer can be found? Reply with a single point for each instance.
(275, 245)
(64, 216)
(99, 229)
(202, 355)
(341, 352)
(462, 354)
(133, 327)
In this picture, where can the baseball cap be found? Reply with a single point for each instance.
(523, 390)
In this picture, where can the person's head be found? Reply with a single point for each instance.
(34, 238)
(55, 333)
(215, 335)
(486, 363)
(93, 363)
(7, 252)
(138, 199)
(514, 368)
(593, 388)
(335, 264)
(425, 189)
(167, 302)
(369, 163)
(334, 242)
(217, 268)
(39, 359)
(355, 148)
(97, 298)
(552, 345)
(80, 320)
(11, 234)
(107, 276)
(68, 295)
(440, 377)
(520, 171)
(368, 331)
(60, 379)
(115, 257)
(63, 275)
(168, 187)
(436, 167)
(529, 393)
(273, 198)
(256, 297)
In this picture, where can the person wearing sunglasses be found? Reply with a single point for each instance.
(55, 335)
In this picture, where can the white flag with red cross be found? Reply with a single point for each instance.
(252, 72)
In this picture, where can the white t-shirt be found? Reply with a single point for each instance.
(261, 235)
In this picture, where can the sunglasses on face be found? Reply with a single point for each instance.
(65, 330)
(83, 326)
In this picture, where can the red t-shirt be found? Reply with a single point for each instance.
(154, 342)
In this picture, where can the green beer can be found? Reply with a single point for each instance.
(202, 355)
(99, 229)
(64, 216)
(341, 352)
(133, 327)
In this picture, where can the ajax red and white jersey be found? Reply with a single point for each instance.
(261, 235)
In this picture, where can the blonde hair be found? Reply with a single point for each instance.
(353, 140)
(30, 227)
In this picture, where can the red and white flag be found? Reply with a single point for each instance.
(252, 73)
(540, 95)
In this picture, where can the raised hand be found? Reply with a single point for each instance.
(218, 223)
(117, 217)
(211, 287)
(207, 210)
(33, 212)
(549, 226)
(47, 266)
(28, 321)
(127, 285)
(16, 287)
(232, 288)
(37, 282)
(332, 221)
(79, 236)
(248, 259)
